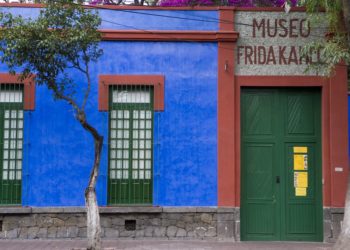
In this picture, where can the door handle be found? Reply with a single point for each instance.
(277, 179)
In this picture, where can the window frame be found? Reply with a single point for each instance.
(28, 88)
(130, 183)
(11, 189)
(28, 104)
(157, 81)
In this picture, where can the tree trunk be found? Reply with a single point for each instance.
(93, 221)
(343, 241)
(93, 215)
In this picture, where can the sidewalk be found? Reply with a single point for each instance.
(159, 245)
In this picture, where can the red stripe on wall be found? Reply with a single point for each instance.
(339, 134)
(226, 121)
(169, 35)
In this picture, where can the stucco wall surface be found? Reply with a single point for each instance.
(128, 19)
(270, 43)
(58, 154)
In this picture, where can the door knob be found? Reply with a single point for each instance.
(277, 179)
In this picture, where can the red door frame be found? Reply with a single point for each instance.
(334, 122)
(334, 133)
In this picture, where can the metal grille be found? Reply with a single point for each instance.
(11, 143)
(130, 144)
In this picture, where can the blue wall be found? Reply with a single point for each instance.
(59, 154)
(144, 19)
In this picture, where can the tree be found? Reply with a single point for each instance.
(336, 47)
(64, 37)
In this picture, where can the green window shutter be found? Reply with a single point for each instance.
(11, 143)
(130, 145)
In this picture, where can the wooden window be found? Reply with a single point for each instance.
(11, 143)
(130, 144)
(105, 81)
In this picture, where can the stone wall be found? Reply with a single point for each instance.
(197, 223)
(332, 220)
(138, 222)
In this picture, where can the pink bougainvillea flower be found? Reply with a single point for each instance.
(241, 3)
(180, 3)
(238, 3)
(280, 3)
(106, 2)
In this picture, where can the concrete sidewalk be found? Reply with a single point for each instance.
(153, 244)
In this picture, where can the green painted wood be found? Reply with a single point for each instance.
(273, 121)
(133, 156)
(11, 148)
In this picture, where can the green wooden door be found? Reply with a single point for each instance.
(11, 144)
(281, 181)
(130, 145)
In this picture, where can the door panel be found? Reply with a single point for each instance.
(301, 218)
(130, 145)
(261, 218)
(258, 116)
(300, 112)
(260, 171)
(11, 154)
(281, 164)
(259, 158)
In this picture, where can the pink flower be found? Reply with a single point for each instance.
(238, 3)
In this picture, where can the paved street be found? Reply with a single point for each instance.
(158, 245)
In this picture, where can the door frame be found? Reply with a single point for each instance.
(280, 231)
(334, 122)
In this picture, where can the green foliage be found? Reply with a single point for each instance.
(331, 53)
(63, 36)
(332, 9)
(335, 47)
